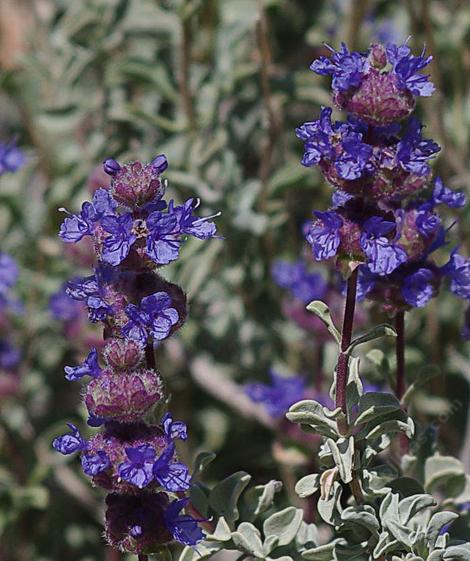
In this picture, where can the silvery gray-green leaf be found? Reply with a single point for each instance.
(321, 309)
(308, 485)
(374, 404)
(383, 330)
(284, 525)
(312, 413)
(225, 495)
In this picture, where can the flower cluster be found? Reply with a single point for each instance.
(131, 222)
(133, 231)
(383, 216)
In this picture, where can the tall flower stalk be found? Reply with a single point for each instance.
(133, 457)
(382, 228)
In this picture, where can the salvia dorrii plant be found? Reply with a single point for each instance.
(389, 243)
(133, 457)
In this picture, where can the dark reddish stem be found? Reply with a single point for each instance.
(346, 336)
(342, 370)
(143, 557)
(400, 354)
(150, 356)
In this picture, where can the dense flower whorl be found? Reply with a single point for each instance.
(367, 162)
(123, 396)
(378, 86)
(136, 523)
(131, 223)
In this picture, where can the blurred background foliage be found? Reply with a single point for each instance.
(218, 86)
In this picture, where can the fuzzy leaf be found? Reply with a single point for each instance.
(247, 538)
(259, 498)
(343, 455)
(376, 404)
(437, 523)
(321, 310)
(308, 485)
(330, 507)
(382, 330)
(309, 412)
(410, 506)
(307, 534)
(458, 553)
(224, 497)
(364, 515)
(354, 388)
(389, 427)
(439, 469)
(202, 460)
(351, 552)
(283, 524)
(320, 553)
(222, 532)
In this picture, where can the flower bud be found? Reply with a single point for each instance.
(123, 397)
(160, 163)
(123, 354)
(111, 167)
(136, 184)
(377, 56)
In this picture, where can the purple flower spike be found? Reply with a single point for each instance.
(160, 163)
(172, 477)
(89, 367)
(382, 255)
(324, 235)
(444, 195)
(93, 464)
(173, 429)
(183, 527)
(138, 470)
(70, 442)
(111, 167)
